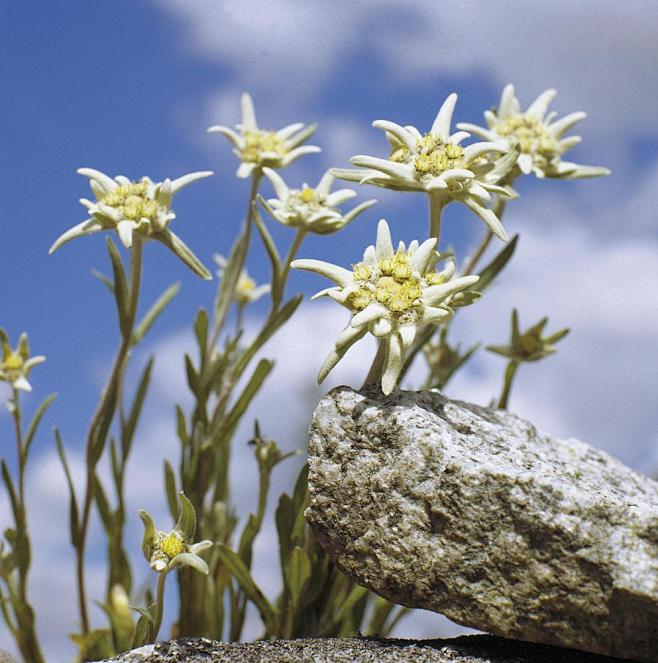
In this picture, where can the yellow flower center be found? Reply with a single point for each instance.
(432, 155)
(172, 544)
(13, 362)
(531, 134)
(257, 142)
(132, 201)
(244, 289)
(307, 195)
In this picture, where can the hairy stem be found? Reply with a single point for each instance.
(510, 372)
(159, 605)
(24, 629)
(220, 315)
(375, 372)
(105, 409)
(437, 203)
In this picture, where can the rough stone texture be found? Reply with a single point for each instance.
(467, 649)
(474, 513)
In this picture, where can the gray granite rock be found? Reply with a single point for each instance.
(476, 514)
(467, 649)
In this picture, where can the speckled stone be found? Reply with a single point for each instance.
(466, 649)
(476, 514)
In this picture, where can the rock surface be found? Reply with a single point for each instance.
(474, 513)
(467, 649)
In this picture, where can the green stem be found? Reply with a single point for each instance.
(375, 372)
(285, 269)
(105, 405)
(220, 315)
(510, 372)
(24, 629)
(159, 605)
(437, 204)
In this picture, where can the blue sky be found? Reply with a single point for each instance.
(130, 87)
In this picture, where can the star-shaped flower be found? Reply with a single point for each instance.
(436, 163)
(312, 209)
(390, 294)
(246, 290)
(142, 208)
(530, 345)
(17, 364)
(257, 148)
(166, 550)
(539, 136)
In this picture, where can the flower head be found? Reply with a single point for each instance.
(246, 290)
(142, 207)
(529, 345)
(312, 209)
(390, 294)
(436, 163)
(166, 550)
(257, 147)
(539, 136)
(17, 364)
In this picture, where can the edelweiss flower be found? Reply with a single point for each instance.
(128, 207)
(529, 345)
(436, 163)
(390, 294)
(17, 364)
(246, 290)
(259, 147)
(540, 139)
(315, 210)
(166, 550)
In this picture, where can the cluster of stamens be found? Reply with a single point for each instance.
(305, 196)
(391, 283)
(531, 134)
(432, 155)
(132, 201)
(169, 545)
(258, 142)
(244, 288)
(12, 365)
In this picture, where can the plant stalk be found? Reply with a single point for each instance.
(159, 605)
(510, 372)
(104, 409)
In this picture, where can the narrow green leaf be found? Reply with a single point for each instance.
(281, 317)
(178, 246)
(187, 518)
(170, 487)
(298, 575)
(285, 517)
(192, 376)
(104, 508)
(100, 433)
(231, 421)
(120, 286)
(128, 432)
(240, 572)
(103, 279)
(73, 506)
(201, 331)
(181, 426)
(15, 505)
(154, 312)
(34, 424)
(116, 464)
(270, 246)
(231, 276)
(489, 273)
